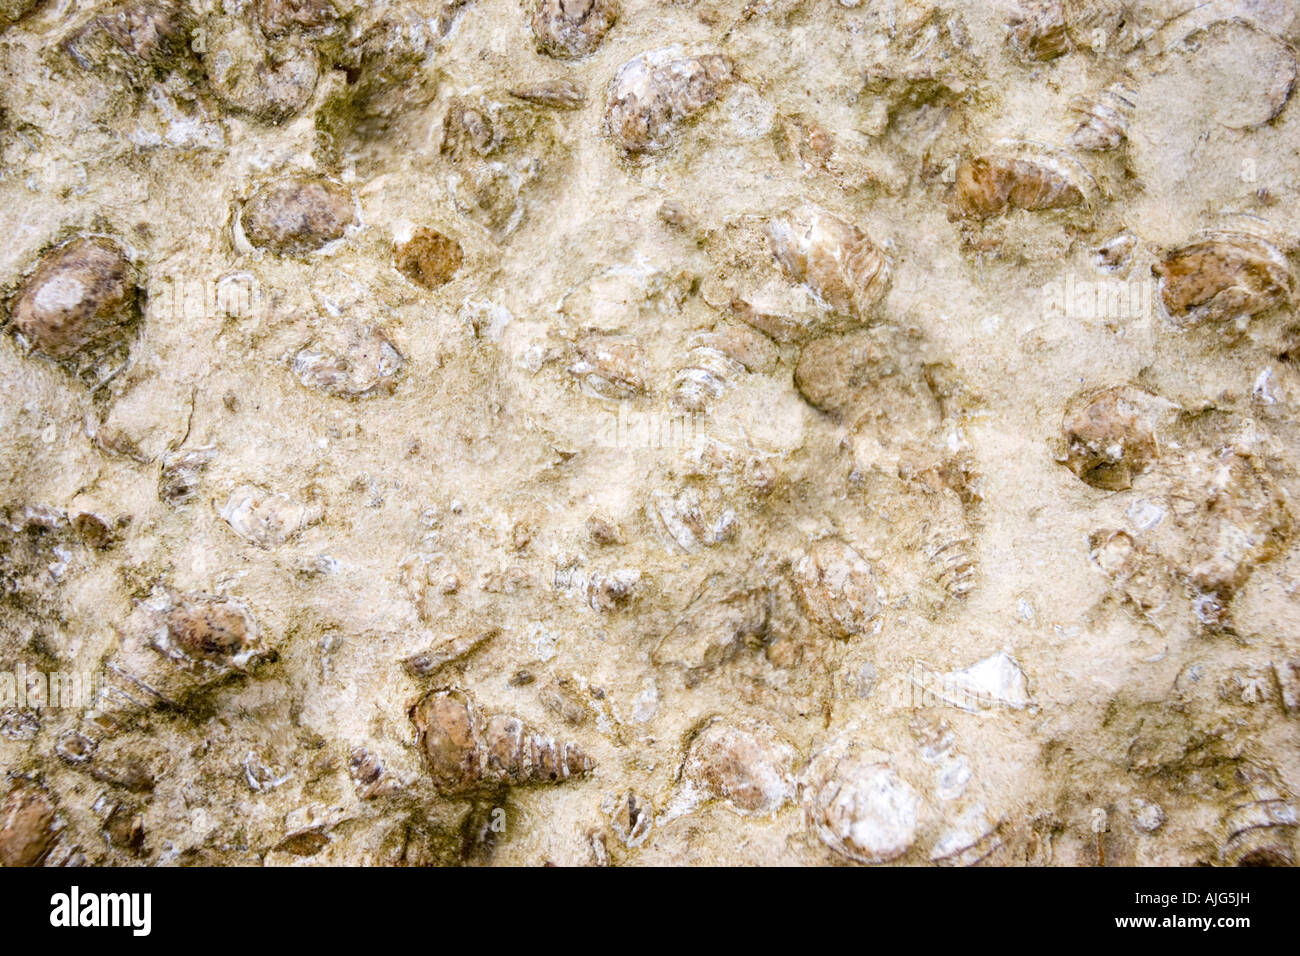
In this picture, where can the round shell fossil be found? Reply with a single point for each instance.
(297, 214)
(1226, 276)
(835, 259)
(654, 93)
(267, 80)
(1018, 176)
(180, 645)
(857, 805)
(428, 258)
(28, 825)
(747, 766)
(364, 365)
(1112, 438)
(568, 29)
(81, 294)
(267, 519)
(467, 751)
(838, 587)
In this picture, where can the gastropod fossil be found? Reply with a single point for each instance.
(835, 259)
(467, 751)
(1015, 175)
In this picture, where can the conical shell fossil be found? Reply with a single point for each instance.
(716, 359)
(836, 260)
(1260, 825)
(1105, 118)
(1018, 176)
(466, 751)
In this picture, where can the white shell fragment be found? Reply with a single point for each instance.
(996, 681)
(857, 805)
(267, 519)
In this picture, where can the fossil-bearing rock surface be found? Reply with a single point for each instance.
(617, 432)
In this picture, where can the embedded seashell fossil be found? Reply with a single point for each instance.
(1115, 255)
(490, 194)
(1227, 276)
(1241, 520)
(954, 564)
(1112, 438)
(297, 214)
(654, 93)
(716, 359)
(1096, 25)
(365, 365)
(466, 751)
(1017, 176)
(631, 817)
(178, 481)
(136, 36)
(82, 295)
(1038, 31)
(557, 94)
(428, 258)
(968, 845)
(267, 519)
(1105, 118)
(568, 29)
(602, 590)
(748, 766)
(857, 805)
(1287, 673)
(1261, 825)
(216, 631)
(835, 259)
(1228, 72)
(473, 128)
(453, 647)
(278, 17)
(1140, 577)
(838, 588)
(690, 520)
(179, 645)
(610, 366)
(28, 825)
(607, 590)
(267, 80)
